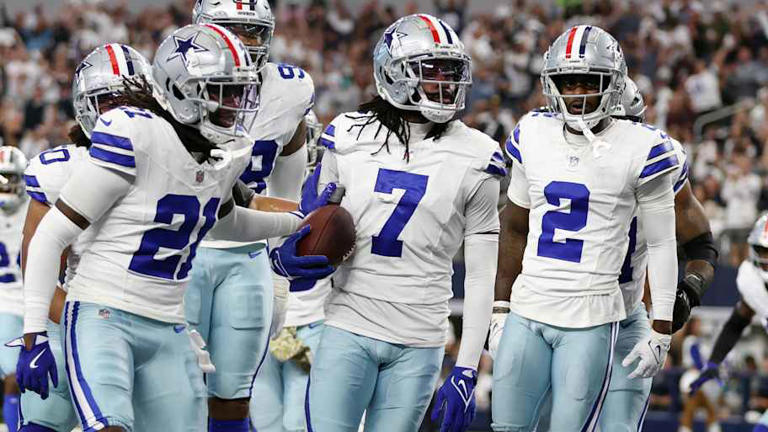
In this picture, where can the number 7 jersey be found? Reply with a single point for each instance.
(581, 199)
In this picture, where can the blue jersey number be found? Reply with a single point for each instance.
(261, 165)
(5, 261)
(414, 185)
(289, 71)
(626, 268)
(188, 207)
(576, 219)
(55, 155)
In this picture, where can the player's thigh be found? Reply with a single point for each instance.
(240, 320)
(99, 364)
(57, 412)
(198, 297)
(168, 380)
(266, 405)
(342, 380)
(403, 390)
(627, 399)
(521, 374)
(581, 368)
(11, 327)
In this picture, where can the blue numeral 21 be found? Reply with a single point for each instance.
(414, 185)
(5, 261)
(576, 219)
(144, 262)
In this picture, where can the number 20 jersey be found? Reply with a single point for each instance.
(140, 254)
(410, 220)
(581, 203)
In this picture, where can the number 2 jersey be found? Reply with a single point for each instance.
(140, 253)
(411, 216)
(581, 199)
(11, 226)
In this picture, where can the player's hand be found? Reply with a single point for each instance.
(494, 335)
(35, 364)
(710, 371)
(286, 263)
(682, 310)
(203, 356)
(458, 397)
(310, 200)
(651, 353)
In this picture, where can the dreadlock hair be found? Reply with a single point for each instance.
(77, 136)
(137, 92)
(393, 119)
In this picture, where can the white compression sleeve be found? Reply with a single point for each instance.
(656, 200)
(480, 253)
(246, 225)
(285, 180)
(54, 233)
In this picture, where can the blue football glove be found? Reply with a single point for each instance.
(310, 200)
(34, 366)
(286, 263)
(710, 371)
(458, 397)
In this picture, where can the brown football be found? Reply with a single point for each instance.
(332, 234)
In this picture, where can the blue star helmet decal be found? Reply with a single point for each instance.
(184, 45)
(83, 65)
(390, 35)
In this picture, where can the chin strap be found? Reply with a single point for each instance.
(599, 147)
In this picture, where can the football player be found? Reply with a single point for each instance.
(279, 390)
(155, 182)
(578, 175)
(419, 183)
(96, 82)
(230, 295)
(751, 280)
(13, 206)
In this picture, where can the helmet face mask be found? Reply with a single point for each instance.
(632, 104)
(12, 187)
(314, 130)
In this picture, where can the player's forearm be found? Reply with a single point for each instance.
(54, 233)
(695, 237)
(730, 334)
(659, 229)
(479, 253)
(286, 178)
(246, 225)
(512, 241)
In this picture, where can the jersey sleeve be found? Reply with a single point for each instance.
(681, 172)
(661, 159)
(47, 173)
(517, 191)
(481, 212)
(112, 143)
(512, 146)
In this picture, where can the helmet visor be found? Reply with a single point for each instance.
(10, 182)
(441, 78)
(234, 101)
(581, 93)
(252, 35)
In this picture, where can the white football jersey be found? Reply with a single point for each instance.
(45, 175)
(635, 266)
(287, 94)
(11, 228)
(141, 253)
(581, 198)
(411, 216)
(753, 289)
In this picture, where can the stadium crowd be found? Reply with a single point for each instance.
(702, 67)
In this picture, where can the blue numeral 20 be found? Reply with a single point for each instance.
(415, 185)
(188, 206)
(576, 219)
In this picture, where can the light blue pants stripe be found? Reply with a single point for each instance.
(392, 383)
(229, 301)
(535, 358)
(277, 403)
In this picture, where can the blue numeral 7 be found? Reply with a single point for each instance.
(414, 185)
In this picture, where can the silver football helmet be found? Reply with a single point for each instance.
(12, 166)
(632, 104)
(419, 64)
(100, 75)
(584, 50)
(208, 80)
(314, 130)
(251, 20)
(758, 238)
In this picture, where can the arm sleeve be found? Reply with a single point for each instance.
(480, 251)
(246, 225)
(54, 233)
(656, 200)
(728, 336)
(481, 213)
(517, 192)
(329, 171)
(286, 178)
(92, 202)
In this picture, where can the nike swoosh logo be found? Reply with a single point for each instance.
(33, 364)
(106, 123)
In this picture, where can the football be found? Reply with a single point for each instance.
(332, 234)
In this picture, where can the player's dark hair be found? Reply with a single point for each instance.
(137, 92)
(78, 138)
(393, 119)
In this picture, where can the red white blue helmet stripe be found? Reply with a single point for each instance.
(238, 52)
(441, 33)
(120, 59)
(577, 40)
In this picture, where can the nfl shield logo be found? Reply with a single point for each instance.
(573, 161)
(200, 176)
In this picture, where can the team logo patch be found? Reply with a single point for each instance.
(200, 176)
(82, 66)
(104, 313)
(183, 46)
(392, 34)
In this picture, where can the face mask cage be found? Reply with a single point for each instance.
(11, 183)
(314, 130)
(759, 256)
(439, 80)
(229, 104)
(90, 104)
(599, 83)
(256, 36)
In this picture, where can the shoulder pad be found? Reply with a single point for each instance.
(48, 171)
(682, 168)
(482, 148)
(661, 158)
(112, 140)
(341, 134)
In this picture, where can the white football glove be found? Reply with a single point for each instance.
(497, 327)
(203, 356)
(652, 352)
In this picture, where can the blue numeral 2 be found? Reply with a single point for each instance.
(415, 185)
(574, 220)
(5, 261)
(626, 268)
(144, 262)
